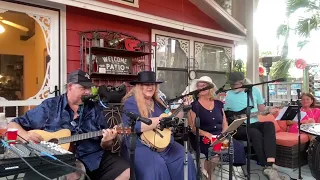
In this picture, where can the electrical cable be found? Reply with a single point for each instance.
(56, 159)
(5, 144)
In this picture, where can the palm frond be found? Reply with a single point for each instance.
(282, 30)
(281, 68)
(294, 5)
(301, 44)
(305, 25)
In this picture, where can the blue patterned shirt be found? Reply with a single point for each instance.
(54, 114)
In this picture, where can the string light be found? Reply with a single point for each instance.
(2, 30)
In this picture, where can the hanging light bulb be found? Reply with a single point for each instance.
(2, 29)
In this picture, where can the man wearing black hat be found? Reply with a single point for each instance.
(67, 111)
(262, 134)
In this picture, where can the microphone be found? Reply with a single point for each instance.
(137, 117)
(220, 89)
(210, 86)
(88, 97)
(299, 93)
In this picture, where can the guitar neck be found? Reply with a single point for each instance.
(79, 137)
(176, 111)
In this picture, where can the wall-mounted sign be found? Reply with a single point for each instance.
(114, 65)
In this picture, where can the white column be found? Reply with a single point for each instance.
(252, 45)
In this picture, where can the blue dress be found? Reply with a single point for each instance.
(211, 121)
(151, 165)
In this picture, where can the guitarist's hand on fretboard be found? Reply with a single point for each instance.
(108, 135)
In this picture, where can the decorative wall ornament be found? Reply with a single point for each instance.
(44, 23)
(162, 41)
(228, 52)
(198, 48)
(184, 45)
(45, 88)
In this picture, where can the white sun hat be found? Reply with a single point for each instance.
(206, 79)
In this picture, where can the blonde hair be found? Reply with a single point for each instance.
(139, 97)
(212, 92)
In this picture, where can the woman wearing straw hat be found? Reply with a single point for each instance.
(143, 99)
(212, 119)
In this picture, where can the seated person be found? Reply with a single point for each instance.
(152, 164)
(313, 114)
(261, 134)
(212, 120)
(67, 111)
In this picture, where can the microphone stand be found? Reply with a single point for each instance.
(299, 133)
(132, 148)
(185, 142)
(248, 114)
(197, 126)
(248, 90)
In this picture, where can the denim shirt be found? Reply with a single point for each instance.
(54, 114)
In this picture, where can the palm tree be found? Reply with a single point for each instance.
(302, 28)
(311, 21)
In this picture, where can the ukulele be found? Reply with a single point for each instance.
(63, 137)
(157, 139)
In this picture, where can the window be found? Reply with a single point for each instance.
(213, 61)
(171, 61)
(134, 3)
(175, 55)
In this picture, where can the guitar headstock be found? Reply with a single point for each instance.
(122, 130)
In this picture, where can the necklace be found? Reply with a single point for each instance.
(208, 105)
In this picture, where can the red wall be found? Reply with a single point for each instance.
(84, 20)
(179, 10)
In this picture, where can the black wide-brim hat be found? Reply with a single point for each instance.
(146, 77)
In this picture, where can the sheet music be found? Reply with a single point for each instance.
(283, 110)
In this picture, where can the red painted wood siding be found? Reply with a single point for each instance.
(179, 10)
(83, 20)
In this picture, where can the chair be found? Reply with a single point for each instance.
(287, 144)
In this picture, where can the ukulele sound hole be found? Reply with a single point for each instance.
(55, 141)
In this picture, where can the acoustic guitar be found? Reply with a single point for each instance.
(63, 137)
(157, 139)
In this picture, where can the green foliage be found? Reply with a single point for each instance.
(282, 30)
(238, 66)
(310, 22)
(94, 90)
(301, 44)
(280, 69)
(265, 53)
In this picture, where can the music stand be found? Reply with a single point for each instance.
(290, 113)
(228, 135)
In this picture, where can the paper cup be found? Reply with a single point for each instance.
(12, 135)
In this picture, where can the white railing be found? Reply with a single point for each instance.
(18, 103)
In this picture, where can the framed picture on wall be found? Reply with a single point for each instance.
(46, 58)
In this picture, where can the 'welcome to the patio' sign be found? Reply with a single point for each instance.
(114, 65)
